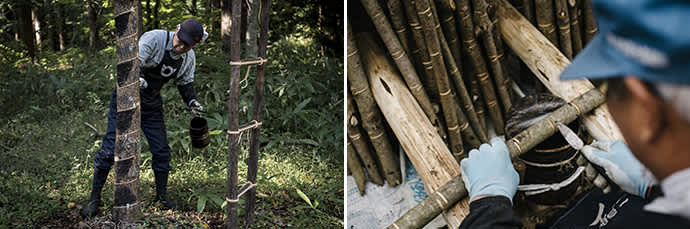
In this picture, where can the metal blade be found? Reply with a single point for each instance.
(570, 136)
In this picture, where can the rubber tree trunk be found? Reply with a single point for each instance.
(226, 19)
(233, 111)
(254, 146)
(126, 206)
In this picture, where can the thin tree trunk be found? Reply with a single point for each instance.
(36, 22)
(126, 208)
(253, 161)
(400, 57)
(563, 21)
(371, 116)
(446, 15)
(60, 20)
(233, 111)
(156, 21)
(27, 29)
(192, 8)
(226, 19)
(93, 27)
(252, 25)
(359, 143)
(545, 21)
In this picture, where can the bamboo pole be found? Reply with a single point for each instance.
(257, 107)
(454, 190)
(547, 63)
(403, 63)
(233, 117)
(545, 21)
(398, 21)
(425, 148)
(446, 15)
(371, 116)
(448, 104)
(590, 25)
(481, 73)
(485, 29)
(473, 134)
(355, 168)
(574, 12)
(127, 152)
(360, 144)
(563, 21)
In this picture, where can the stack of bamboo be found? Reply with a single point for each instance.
(456, 70)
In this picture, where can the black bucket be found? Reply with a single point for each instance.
(198, 130)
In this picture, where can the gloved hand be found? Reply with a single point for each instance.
(142, 83)
(196, 108)
(620, 165)
(489, 171)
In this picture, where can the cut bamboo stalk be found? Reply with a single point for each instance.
(467, 126)
(454, 190)
(576, 35)
(446, 13)
(371, 117)
(355, 168)
(448, 104)
(563, 21)
(547, 63)
(481, 73)
(425, 148)
(590, 22)
(398, 20)
(545, 21)
(403, 63)
(485, 29)
(359, 143)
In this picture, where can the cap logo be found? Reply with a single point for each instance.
(643, 54)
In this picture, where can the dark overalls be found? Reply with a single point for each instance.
(152, 123)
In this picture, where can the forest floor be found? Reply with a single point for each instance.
(47, 150)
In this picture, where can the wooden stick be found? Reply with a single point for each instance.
(590, 22)
(486, 31)
(467, 128)
(398, 20)
(426, 150)
(371, 116)
(454, 190)
(399, 56)
(547, 63)
(359, 143)
(355, 167)
(545, 21)
(233, 117)
(446, 13)
(563, 21)
(574, 12)
(426, 16)
(482, 75)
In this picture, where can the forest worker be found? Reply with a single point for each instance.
(643, 50)
(163, 56)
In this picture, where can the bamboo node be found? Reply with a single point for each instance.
(353, 53)
(397, 55)
(442, 197)
(453, 128)
(465, 126)
(448, 19)
(360, 91)
(553, 126)
(483, 76)
(579, 112)
(427, 10)
(517, 144)
(376, 136)
(355, 136)
(435, 54)
(401, 30)
(445, 93)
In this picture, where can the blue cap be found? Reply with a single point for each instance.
(648, 39)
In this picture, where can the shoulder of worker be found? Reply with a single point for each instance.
(154, 38)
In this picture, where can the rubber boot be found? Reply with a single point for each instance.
(161, 185)
(99, 178)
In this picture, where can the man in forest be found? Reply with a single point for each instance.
(643, 50)
(163, 56)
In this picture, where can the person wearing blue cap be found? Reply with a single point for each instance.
(643, 51)
(163, 56)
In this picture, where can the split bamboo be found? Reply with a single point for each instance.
(547, 63)
(360, 144)
(454, 190)
(481, 73)
(448, 104)
(563, 21)
(425, 148)
(371, 116)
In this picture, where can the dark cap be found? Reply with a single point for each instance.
(190, 32)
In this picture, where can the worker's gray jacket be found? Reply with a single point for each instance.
(152, 49)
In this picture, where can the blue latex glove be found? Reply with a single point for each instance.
(621, 165)
(489, 171)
